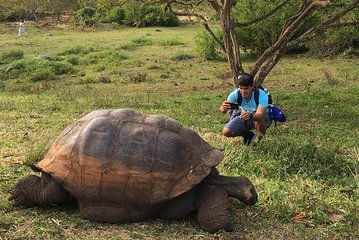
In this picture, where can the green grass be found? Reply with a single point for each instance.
(308, 164)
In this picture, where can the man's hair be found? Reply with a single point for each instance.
(245, 79)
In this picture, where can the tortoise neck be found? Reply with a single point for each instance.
(240, 188)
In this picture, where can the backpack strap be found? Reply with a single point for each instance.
(239, 97)
(256, 96)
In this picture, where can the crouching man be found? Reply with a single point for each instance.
(247, 107)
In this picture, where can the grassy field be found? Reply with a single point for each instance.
(306, 170)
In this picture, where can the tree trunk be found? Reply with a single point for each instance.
(230, 40)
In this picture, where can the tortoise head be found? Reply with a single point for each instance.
(240, 188)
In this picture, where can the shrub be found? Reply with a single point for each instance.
(333, 42)
(141, 15)
(86, 16)
(207, 47)
(116, 15)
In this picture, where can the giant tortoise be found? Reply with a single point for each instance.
(123, 166)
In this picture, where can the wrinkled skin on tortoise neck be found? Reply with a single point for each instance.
(240, 188)
(209, 199)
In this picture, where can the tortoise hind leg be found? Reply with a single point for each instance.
(212, 205)
(32, 190)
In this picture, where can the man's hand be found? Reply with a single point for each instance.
(245, 115)
(225, 107)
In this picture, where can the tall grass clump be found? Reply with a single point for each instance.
(77, 50)
(36, 154)
(142, 41)
(136, 43)
(172, 42)
(116, 56)
(181, 57)
(12, 55)
(73, 60)
(38, 69)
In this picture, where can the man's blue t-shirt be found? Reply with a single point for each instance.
(250, 106)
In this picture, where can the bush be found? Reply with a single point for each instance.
(333, 42)
(86, 16)
(207, 47)
(116, 15)
(141, 15)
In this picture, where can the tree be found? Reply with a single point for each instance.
(338, 15)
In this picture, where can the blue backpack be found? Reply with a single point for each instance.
(274, 111)
(276, 114)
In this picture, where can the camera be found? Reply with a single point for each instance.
(234, 106)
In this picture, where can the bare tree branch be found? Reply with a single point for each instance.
(209, 30)
(305, 4)
(284, 37)
(214, 4)
(324, 25)
(261, 18)
(343, 24)
(271, 56)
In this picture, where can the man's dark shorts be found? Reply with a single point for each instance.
(238, 125)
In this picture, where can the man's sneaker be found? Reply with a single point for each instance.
(249, 138)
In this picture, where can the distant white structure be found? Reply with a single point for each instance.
(22, 29)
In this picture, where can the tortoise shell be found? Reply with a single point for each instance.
(126, 157)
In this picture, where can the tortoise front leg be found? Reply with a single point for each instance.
(179, 207)
(32, 190)
(212, 205)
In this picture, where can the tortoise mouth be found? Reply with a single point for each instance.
(250, 196)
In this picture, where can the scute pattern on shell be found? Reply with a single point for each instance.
(125, 157)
